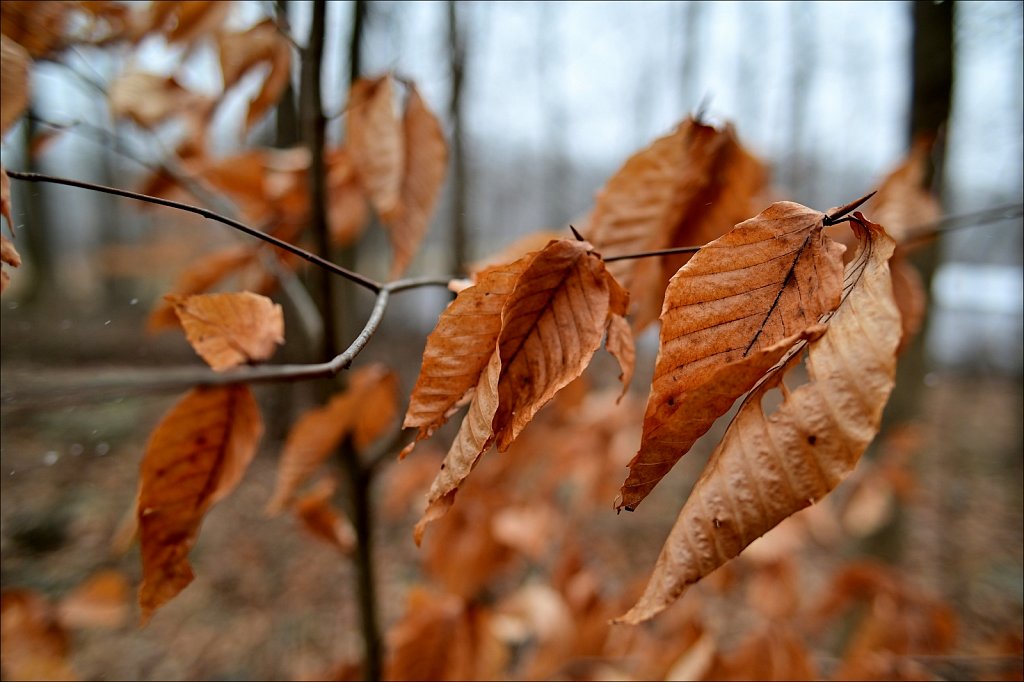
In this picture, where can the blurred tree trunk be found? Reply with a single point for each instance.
(800, 170)
(286, 119)
(932, 74)
(457, 70)
(692, 14)
(930, 103)
(36, 240)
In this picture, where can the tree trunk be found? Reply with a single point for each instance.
(457, 62)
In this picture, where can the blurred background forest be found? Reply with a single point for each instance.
(541, 103)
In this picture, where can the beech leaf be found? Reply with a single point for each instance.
(195, 457)
(244, 50)
(769, 466)
(322, 520)
(148, 99)
(198, 278)
(364, 411)
(685, 189)
(227, 330)
(14, 63)
(550, 326)
(8, 256)
(459, 348)
(426, 157)
(375, 139)
(730, 314)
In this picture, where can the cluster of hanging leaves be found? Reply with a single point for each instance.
(765, 296)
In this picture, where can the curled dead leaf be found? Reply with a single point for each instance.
(769, 466)
(261, 44)
(730, 314)
(685, 189)
(376, 141)
(550, 325)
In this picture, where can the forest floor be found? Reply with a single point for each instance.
(271, 602)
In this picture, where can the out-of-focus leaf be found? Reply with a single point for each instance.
(227, 330)
(730, 314)
(364, 411)
(39, 27)
(244, 50)
(346, 204)
(198, 278)
(149, 99)
(903, 201)
(441, 637)
(185, 21)
(14, 62)
(375, 140)
(8, 256)
(426, 157)
(769, 466)
(323, 520)
(101, 601)
(685, 189)
(195, 457)
(33, 645)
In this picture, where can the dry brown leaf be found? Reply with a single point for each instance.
(903, 201)
(774, 652)
(375, 139)
(39, 27)
(730, 314)
(14, 63)
(322, 520)
(426, 158)
(227, 330)
(101, 601)
(185, 21)
(364, 411)
(198, 278)
(767, 467)
(533, 242)
(441, 637)
(685, 189)
(459, 348)
(895, 619)
(194, 458)
(908, 290)
(33, 645)
(8, 256)
(241, 51)
(550, 326)
(474, 437)
(149, 99)
(347, 212)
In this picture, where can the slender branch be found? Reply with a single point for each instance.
(659, 252)
(361, 280)
(922, 233)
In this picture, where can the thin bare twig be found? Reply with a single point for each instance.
(649, 254)
(361, 280)
(922, 233)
